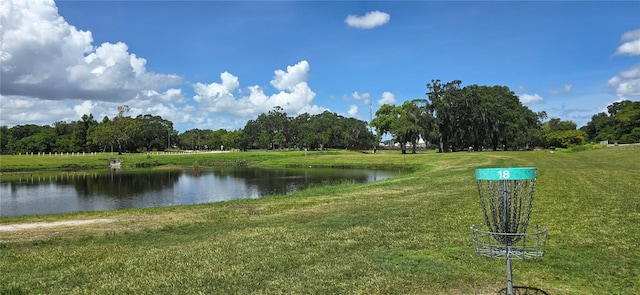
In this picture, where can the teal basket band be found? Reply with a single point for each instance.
(506, 173)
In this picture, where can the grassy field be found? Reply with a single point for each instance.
(406, 235)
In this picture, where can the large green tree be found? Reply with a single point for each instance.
(262, 131)
(4, 138)
(509, 124)
(621, 124)
(443, 98)
(405, 123)
(155, 132)
(192, 139)
(324, 130)
(81, 131)
(559, 133)
(477, 116)
(101, 135)
(29, 138)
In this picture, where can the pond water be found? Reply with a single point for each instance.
(66, 192)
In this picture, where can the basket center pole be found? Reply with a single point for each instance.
(509, 272)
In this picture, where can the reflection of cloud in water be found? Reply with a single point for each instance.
(63, 193)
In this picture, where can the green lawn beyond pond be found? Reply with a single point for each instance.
(406, 235)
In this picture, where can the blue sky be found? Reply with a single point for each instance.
(213, 64)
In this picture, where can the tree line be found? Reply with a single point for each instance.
(621, 123)
(478, 117)
(462, 118)
(451, 118)
(144, 133)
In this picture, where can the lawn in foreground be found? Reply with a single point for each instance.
(407, 235)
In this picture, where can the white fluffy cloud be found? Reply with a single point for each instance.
(365, 97)
(217, 91)
(172, 95)
(530, 98)
(294, 94)
(631, 43)
(353, 110)
(86, 107)
(290, 79)
(369, 20)
(52, 72)
(359, 96)
(45, 57)
(626, 83)
(28, 110)
(564, 89)
(387, 98)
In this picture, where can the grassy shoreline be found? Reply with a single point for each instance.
(339, 158)
(406, 235)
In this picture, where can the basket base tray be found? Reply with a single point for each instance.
(528, 245)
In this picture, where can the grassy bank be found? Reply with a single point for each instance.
(407, 235)
(22, 163)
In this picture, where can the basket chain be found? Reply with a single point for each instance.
(504, 200)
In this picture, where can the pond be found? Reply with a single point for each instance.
(66, 192)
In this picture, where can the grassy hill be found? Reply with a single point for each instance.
(406, 235)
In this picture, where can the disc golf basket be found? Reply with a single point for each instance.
(506, 197)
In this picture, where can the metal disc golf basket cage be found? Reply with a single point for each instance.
(506, 197)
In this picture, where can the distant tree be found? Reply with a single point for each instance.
(220, 135)
(279, 140)
(559, 133)
(567, 138)
(555, 124)
(619, 125)
(232, 139)
(426, 121)
(262, 131)
(411, 123)
(538, 138)
(276, 125)
(383, 121)
(80, 133)
(22, 131)
(4, 138)
(302, 134)
(154, 132)
(323, 128)
(402, 122)
(627, 117)
(508, 122)
(250, 134)
(102, 135)
(356, 134)
(125, 131)
(443, 99)
(63, 140)
(122, 127)
(631, 137)
(480, 115)
(23, 138)
(601, 128)
(191, 139)
(40, 142)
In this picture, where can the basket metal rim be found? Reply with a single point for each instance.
(513, 173)
(539, 230)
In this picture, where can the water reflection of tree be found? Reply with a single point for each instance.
(105, 190)
(285, 181)
(125, 185)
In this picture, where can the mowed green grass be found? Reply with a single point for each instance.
(406, 235)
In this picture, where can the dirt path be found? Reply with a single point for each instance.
(35, 225)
